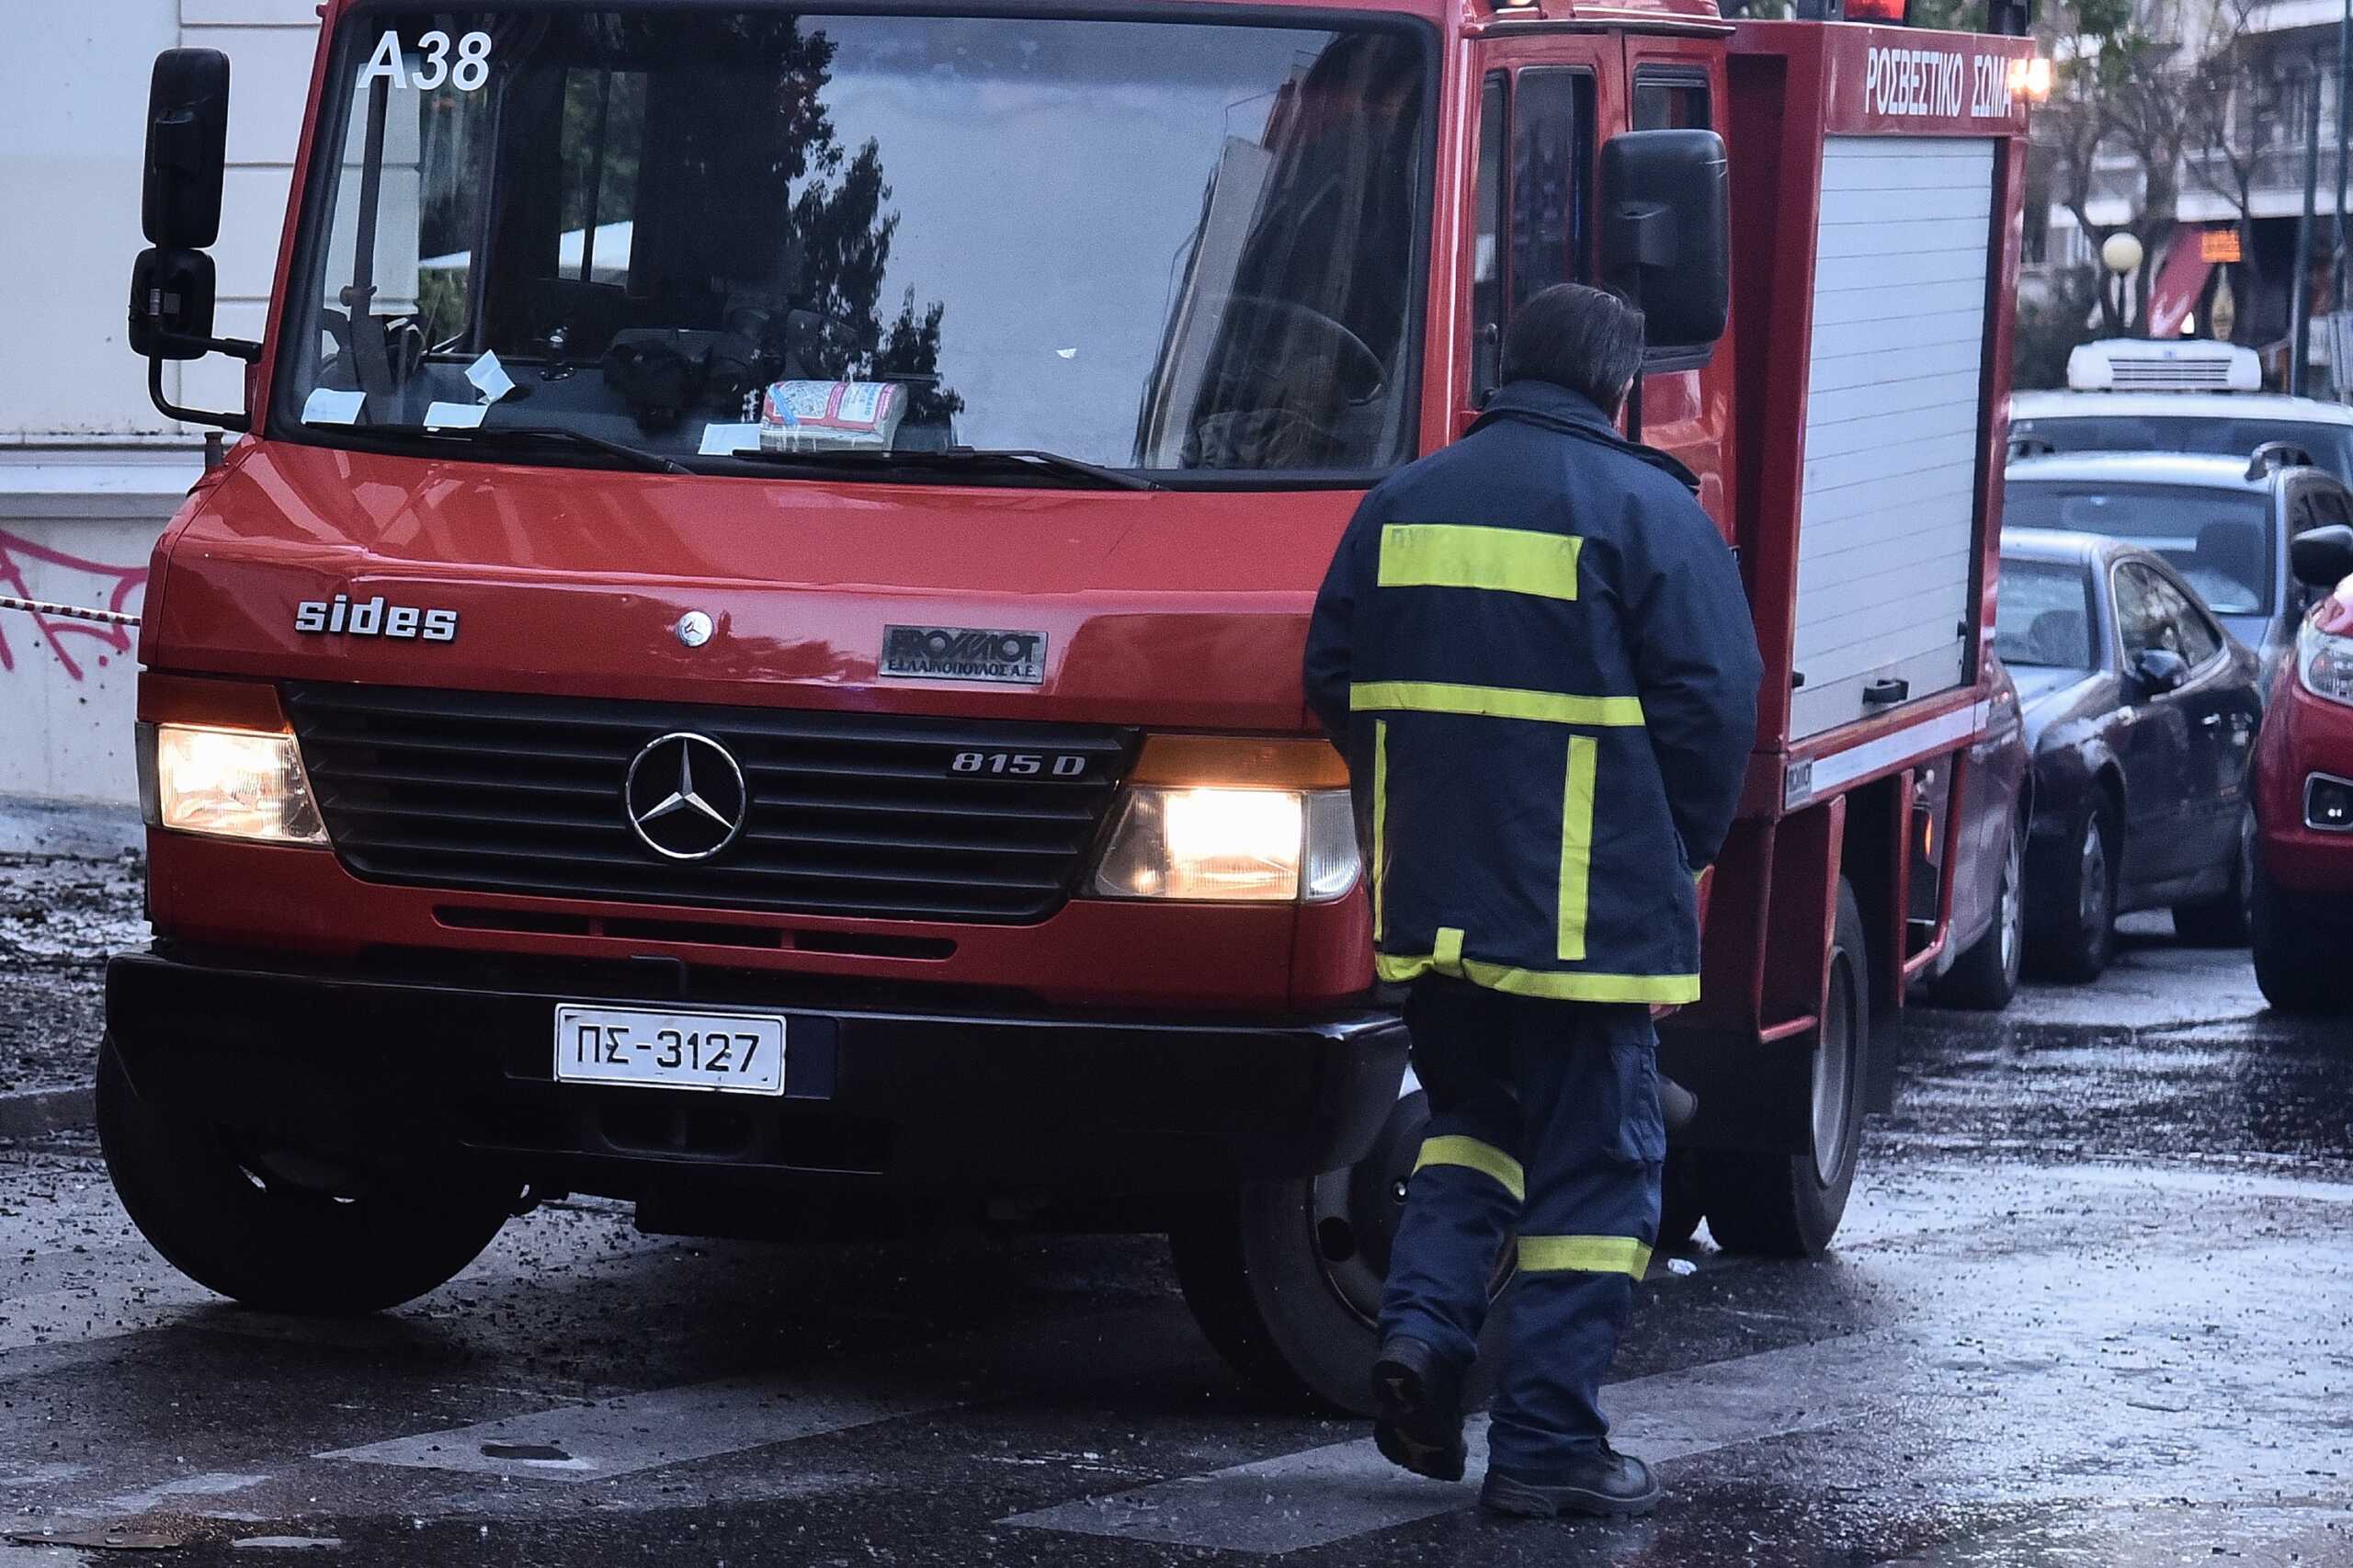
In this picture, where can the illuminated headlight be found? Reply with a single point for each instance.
(226, 783)
(2325, 663)
(1203, 842)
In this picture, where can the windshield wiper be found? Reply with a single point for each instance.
(1056, 462)
(493, 434)
(961, 457)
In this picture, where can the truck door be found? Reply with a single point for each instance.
(1676, 84)
(1544, 102)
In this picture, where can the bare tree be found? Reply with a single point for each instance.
(2218, 110)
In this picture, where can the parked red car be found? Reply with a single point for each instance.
(2303, 802)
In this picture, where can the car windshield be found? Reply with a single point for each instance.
(2221, 540)
(745, 238)
(2331, 446)
(2043, 615)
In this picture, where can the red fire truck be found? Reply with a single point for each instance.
(747, 657)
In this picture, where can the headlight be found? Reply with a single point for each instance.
(2325, 663)
(1204, 819)
(226, 783)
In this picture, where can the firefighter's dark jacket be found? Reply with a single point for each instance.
(1534, 650)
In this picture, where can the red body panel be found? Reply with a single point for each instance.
(2301, 735)
(1179, 609)
(1180, 957)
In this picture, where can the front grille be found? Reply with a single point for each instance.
(847, 813)
(2171, 375)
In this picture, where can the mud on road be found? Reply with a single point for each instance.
(59, 918)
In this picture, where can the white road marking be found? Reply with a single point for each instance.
(211, 1483)
(640, 1431)
(1320, 1495)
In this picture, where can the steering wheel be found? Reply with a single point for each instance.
(1376, 371)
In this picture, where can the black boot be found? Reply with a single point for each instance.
(1600, 1480)
(1417, 1401)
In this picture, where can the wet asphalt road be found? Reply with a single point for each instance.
(2093, 1305)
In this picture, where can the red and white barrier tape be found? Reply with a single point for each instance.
(68, 612)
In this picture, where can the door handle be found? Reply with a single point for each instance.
(2210, 719)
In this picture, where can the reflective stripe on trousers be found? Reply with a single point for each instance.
(1544, 1119)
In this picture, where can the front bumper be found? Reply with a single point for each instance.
(973, 1101)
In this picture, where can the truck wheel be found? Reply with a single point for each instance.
(278, 1231)
(1986, 976)
(2223, 920)
(1789, 1205)
(1285, 1277)
(2076, 935)
(2295, 962)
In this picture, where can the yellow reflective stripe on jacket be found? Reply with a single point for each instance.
(1484, 1158)
(1584, 1255)
(1379, 816)
(1494, 702)
(1559, 985)
(1462, 555)
(1576, 846)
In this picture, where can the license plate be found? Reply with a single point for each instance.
(734, 1053)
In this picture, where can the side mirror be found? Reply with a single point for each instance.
(2322, 558)
(188, 137)
(2159, 670)
(1665, 234)
(171, 304)
(171, 283)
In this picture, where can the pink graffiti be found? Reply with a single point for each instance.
(114, 586)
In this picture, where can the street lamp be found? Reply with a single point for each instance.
(2122, 254)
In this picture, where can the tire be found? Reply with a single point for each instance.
(2076, 936)
(1681, 1205)
(1284, 1277)
(1986, 976)
(236, 1219)
(2297, 962)
(2227, 920)
(1789, 1205)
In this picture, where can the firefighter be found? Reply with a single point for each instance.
(1534, 650)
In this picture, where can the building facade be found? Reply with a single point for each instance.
(2227, 269)
(89, 470)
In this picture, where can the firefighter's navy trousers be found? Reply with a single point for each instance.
(1544, 1120)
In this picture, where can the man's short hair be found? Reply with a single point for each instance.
(1589, 340)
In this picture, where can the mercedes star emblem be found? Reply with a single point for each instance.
(694, 628)
(685, 797)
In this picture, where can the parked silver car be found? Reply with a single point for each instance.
(2224, 523)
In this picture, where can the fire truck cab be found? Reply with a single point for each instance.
(745, 657)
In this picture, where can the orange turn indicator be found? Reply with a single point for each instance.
(1238, 762)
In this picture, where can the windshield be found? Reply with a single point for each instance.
(2042, 616)
(732, 238)
(2221, 540)
(2331, 446)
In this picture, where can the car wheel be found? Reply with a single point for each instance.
(2077, 935)
(276, 1229)
(1986, 976)
(1285, 1277)
(2297, 964)
(1789, 1205)
(2223, 921)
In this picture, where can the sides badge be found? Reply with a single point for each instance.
(959, 653)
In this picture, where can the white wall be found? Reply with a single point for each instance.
(89, 470)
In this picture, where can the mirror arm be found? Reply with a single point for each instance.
(241, 424)
(235, 347)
